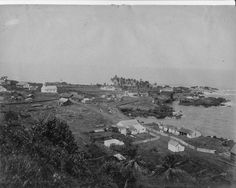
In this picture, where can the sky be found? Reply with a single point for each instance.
(175, 45)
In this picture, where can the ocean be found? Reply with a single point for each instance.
(217, 121)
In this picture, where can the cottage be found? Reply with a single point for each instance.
(108, 143)
(172, 129)
(108, 88)
(193, 134)
(48, 89)
(85, 100)
(64, 101)
(3, 89)
(184, 131)
(175, 146)
(132, 125)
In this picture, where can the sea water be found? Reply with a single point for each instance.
(217, 121)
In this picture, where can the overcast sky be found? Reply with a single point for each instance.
(180, 45)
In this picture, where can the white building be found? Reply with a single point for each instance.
(48, 89)
(108, 88)
(108, 143)
(85, 100)
(132, 125)
(193, 134)
(175, 146)
(3, 89)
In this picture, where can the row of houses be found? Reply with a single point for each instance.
(179, 131)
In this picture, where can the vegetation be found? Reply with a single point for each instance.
(160, 111)
(46, 154)
(206, 101)
(125, 83)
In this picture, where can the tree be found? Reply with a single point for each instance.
(170, 170)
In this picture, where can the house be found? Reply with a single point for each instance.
(3, 89)
(108, 143)
(193, 134)
(85, 100)
(184, 132)
(49, 89)
(131, 94)
(172, 129)
(24, 85)
(108, 88)
(132, 125)
(175, 146)
(64, 101)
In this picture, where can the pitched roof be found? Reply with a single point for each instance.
(173, 143)
(50, 87)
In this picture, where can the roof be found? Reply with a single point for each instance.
(233, 150)
(187, 131)
(131, 124)
(170, 127)
(173, 143)
(50, 87)
(63, 99)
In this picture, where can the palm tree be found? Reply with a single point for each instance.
(170, 172)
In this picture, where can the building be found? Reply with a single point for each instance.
(193, 134)
(175, 146)
(189, 133)
(108, 88)
(64, 101)
(131, 125)
(108, 143)
(85, 100)
(24, 85)
(3, 89)
(48, 89)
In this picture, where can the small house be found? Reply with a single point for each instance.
(132, 125)
(49, 89)
(64, 101)
(108, 143)
(108, 88)
(85, 100)
(193, 134)
(175, 146)
(184, 132)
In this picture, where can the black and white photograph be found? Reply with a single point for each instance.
(117, 96)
